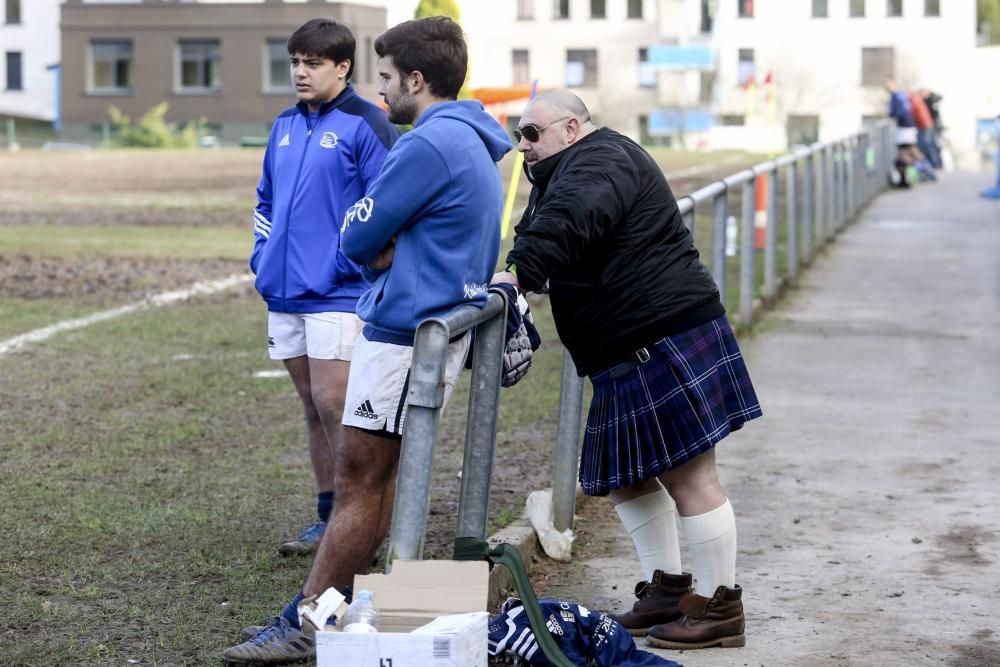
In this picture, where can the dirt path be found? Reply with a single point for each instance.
(869, 532)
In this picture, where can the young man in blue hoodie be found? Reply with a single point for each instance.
(427, 235)
(322, 155)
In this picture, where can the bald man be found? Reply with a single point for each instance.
(642, 318)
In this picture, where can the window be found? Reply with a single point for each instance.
(894, 7)
(745, 9)
(277, 79)
(14, 71)
(857, 9)
(820, 9)
(732, 120)
(635, 9)
(647, 71)
(520, 66)
(560, 9)
(707, 16)
(932, 7)
(581, 68)
(706, 87)
(526, 10)
(745, 68)
(110, 66)
(200, 66)
(876, 64)
(598, 9)
(13, 14)
(802, 130)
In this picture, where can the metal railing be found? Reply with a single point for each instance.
(824, 186)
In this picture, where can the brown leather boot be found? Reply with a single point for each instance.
(714, 621)
(657, 602)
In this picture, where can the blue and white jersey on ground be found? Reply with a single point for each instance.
(585, 637)
(315, 167)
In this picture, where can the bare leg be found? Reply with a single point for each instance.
(329, 384)
(366, 467)
(695, 486)
(319, 447)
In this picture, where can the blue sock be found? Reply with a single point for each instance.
(324, 505)
(291, 611)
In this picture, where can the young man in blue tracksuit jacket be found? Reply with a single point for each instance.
(427, 233)
(322, 155)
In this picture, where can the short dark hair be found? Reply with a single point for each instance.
(434, 46)
(325, 38)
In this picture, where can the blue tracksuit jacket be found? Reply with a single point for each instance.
(315, 167)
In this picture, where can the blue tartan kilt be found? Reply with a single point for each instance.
(693, 391)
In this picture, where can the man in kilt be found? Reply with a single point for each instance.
(642, 317)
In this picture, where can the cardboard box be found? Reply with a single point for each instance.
(431, 614)
(459, 640)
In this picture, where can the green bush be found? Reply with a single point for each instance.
(152, 130)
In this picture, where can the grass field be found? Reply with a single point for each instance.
(148, 473)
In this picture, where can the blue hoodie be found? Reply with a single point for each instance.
(315, 167)
(440, 196)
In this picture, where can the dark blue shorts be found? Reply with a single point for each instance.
(693, 391)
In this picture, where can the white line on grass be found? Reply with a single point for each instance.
(156, 301)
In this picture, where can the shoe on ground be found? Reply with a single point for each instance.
(251, 631)
(707, 622)
(657, 602)
(307, 541)
(276, 644)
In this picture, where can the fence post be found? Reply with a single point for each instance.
(424, 401)
(808, 206)
(567, 446)
(720, 212)
(689, 220)
(481, 426)
(747, 254)
(771, 238)
(792, 241)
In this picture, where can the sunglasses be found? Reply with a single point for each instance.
(532, 132)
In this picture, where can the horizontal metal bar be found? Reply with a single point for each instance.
(464, 318)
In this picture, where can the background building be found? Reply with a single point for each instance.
(222, 62)
(29, 47)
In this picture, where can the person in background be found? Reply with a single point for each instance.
(321, 156)
(924, 121)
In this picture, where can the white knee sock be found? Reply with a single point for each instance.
(651, 521)
(711, 541)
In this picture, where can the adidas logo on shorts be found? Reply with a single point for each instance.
(366, 410)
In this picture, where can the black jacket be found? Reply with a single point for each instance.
(603, 229)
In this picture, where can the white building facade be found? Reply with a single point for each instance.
(827, 61)
(29, 47)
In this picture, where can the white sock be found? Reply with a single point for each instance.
(651, 521)
(711, 541)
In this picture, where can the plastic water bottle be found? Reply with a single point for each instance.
(361, 616)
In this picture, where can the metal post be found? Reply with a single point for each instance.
(481, 427)
(808, 207)
(830, 198)
(836, 162)
(567, 447)
(721, 209)
(821, 194)
(11, 134)
(688, 219)
(792, 242)
(424, 401)
(771, 238)
(747, 254)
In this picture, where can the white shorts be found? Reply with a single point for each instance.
(318, 335)
(906, 136)
(380, 379)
